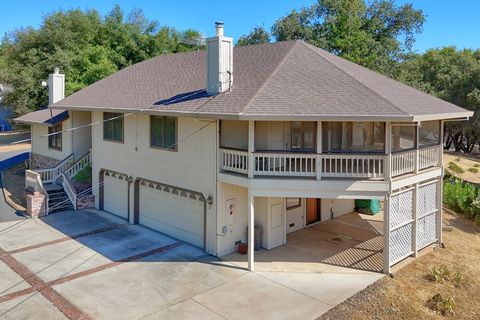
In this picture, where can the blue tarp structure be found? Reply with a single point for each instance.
(7, 163)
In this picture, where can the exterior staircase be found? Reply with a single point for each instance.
(54, 183)
(58, 199)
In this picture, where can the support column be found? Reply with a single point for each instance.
(318, 160)
(415, 220)
(251, 147)
(388, 151)
(440, 190)
(386, 234)
(439, 220)
(251, 230)
(417, 151)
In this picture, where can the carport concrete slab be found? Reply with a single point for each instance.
(10, 281)
(136, 289)
(187, 310)
(58, 260)
(31, 307)
(330, 288)
(255, 297)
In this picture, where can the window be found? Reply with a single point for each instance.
(353, 137)
(55, 140)
(113, 126)
(403, 137)
(163, 132)
(303, 136)
(293, 203)
(429, 133)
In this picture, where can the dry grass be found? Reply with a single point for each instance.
(405, 296)
(468, 164)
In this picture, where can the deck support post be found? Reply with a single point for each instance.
(251, 230)
(386, 234)
(318, 160)
(440, 190)
(415, 220)
(417, 151)
(388, 152)
(251, 147)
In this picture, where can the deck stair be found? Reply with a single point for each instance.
(58, 199)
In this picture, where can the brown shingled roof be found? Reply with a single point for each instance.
(48, 117)
(270, 81)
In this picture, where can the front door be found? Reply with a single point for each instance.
(313, 210)
(277, 229)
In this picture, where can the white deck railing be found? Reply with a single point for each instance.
(285, 164)
(235, 160)
(49, 175)
(429, 157)
(352, 165)
(403, 162)
(331, 165)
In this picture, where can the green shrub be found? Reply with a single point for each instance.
(462, 197)
(455, 167)
(439, 274)
(476, 165)
(84, 175)
(473, 170)
(441, 305)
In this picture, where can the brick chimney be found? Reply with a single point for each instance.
(56, 86)
(219, 62)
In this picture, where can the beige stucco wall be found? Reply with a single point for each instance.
(81, 137)
(40, 141)
(192, 167)
(234, 134)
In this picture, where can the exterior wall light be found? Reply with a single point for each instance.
(210, 201)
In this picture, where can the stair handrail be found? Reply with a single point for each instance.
(78, 165)
(69, 190)
(34, 181)
(52, 174)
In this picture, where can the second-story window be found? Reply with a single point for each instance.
(113, 126)
(163, 132)
(55, 137)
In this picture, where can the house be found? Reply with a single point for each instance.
(5, 112)
(204, 146)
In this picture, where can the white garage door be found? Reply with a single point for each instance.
(173, 212)
(115, 196)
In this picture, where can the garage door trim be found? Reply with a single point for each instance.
(163, 187)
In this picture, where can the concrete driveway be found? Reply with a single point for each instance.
(92, 265)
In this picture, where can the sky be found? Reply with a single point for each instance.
(449, 22)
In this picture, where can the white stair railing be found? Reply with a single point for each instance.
(81, 163)
(49, 175)
(69, 190)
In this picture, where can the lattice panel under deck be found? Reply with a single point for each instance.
(427, 199)
(400, 243)
(426, 230)
(401, 208)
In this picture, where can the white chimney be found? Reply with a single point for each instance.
(56, 86)
(219, 62)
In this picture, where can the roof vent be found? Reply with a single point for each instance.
(219, 61)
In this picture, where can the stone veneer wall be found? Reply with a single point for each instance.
(42, 162)
(87, 201)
